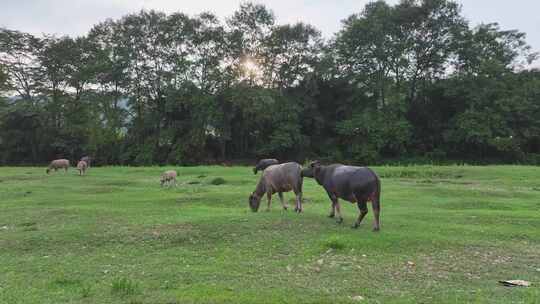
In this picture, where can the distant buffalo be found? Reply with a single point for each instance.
(354, 184)
(87, 160)
(168, 177)
(82, 166)
(58, 164)
(278, 178)
(264, 163)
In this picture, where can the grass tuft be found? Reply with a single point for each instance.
(124, 287)
(64, 281)
(27, 224)
(335, 242)
(86, 291)
(218, 181)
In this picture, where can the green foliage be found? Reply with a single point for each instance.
(3, 80)
(406, 80)
(144, 154)
(370, 132)
(218, 181)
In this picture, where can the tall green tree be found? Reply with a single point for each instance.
(397, 81)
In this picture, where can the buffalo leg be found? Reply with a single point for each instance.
(283, 202)
(362, 206)
(332, 210)
(298, 193)
(298, 207)
(333, 206)
(376, 204)
(269, 197)
(338, 211)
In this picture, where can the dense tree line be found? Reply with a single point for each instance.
(409, 81)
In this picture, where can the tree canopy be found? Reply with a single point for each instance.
(411, 81)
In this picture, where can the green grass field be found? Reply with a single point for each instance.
(448, 235)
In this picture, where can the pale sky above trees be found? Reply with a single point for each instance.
(76, 17)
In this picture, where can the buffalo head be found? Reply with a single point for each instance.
(254, 202)
(312, 169)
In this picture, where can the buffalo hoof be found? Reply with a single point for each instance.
(376, 229)
(340, 220)
(331, 215)
(355, 226)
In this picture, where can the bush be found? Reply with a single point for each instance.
(145, 155)
(218, 181)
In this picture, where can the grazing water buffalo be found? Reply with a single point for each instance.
(264, 163)
(168, 177)
(278, 178)
(87, 160)
(353, 184)
(58, 164)
(81, 166)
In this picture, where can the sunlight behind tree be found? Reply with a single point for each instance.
(252, 70)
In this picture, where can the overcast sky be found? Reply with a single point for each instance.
(76, 17)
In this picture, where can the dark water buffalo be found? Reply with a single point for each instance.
(86, 159)
(264, 163)
(354, 184)
(278, 178)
